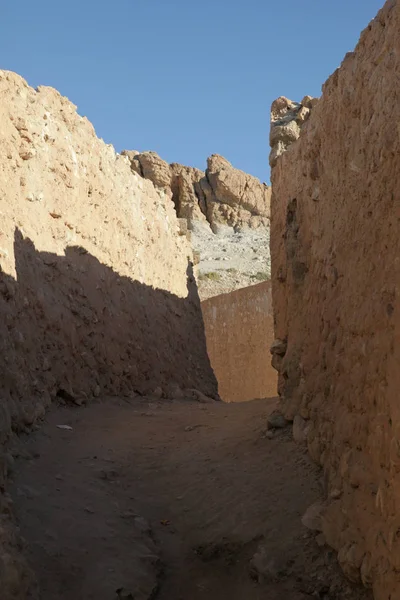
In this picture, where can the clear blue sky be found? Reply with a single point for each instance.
(186, 78)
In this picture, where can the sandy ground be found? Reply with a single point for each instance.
(170, 499)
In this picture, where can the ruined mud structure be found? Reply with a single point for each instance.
(335, 272)
(119, 464)
(97, 293)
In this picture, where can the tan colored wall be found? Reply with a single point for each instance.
(96, 293)
(335, 245)
(239, 333)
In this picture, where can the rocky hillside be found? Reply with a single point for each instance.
(223, 211)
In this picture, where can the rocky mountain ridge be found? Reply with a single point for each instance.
(223, 211)
(221, 195)
(95, 282)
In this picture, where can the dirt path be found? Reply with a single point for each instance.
(170, 500)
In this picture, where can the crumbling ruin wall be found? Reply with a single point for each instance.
(96, 288)
(97, 294)
(335, 248)
(239, 332)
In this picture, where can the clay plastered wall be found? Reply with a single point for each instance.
(239, 332)
(96, 292)
(336, 276)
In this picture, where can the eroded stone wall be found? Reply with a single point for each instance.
(335, 248)
(239, 332)
(97, 294)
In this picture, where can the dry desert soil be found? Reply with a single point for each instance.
(174, 500)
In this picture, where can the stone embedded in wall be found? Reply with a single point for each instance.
(335, 248)
(287, 120)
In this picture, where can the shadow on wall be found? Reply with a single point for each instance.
(71, 325)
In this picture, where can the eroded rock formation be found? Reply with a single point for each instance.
(222, 195)
(287, 120)
(97, 294)
(335, 249)
(223, 211)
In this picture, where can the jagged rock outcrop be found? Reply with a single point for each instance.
(335, 248)
(225, 214)
(287, 120)
(233, 197)
(97, 294)
(222, 195)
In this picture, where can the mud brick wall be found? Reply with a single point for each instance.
(335, 245)
(239, 333)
